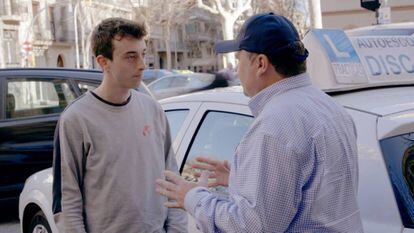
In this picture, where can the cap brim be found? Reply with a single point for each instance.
(227, 46)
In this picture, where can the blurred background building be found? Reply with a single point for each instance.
(56, 33)
(349, 14)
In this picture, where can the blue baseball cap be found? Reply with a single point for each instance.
(265, 33)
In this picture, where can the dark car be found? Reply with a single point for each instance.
(30, 103)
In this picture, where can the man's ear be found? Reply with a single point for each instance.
(262, 64)
(103, 62)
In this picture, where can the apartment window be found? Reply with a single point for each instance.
(51, 14)
(12, 48)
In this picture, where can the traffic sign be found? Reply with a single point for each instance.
(27, 46)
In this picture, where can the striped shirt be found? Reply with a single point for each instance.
(295, 170)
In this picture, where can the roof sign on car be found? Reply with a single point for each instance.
(367, 57)
(343, 58)
(386, 58)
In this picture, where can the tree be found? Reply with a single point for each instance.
(169, 14)
(229, 11)
(92, 13)
(295, 10)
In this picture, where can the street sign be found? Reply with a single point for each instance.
(371, 5)
(27, 46)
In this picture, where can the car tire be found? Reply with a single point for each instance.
(39, 224)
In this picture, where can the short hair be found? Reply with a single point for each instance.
(114, 28)
(286, 64)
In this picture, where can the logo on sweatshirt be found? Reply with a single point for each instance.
(147, 130)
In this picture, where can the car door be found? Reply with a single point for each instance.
(219, 127)
(215, 132)
(31, 108)
(179, 116)
(85, 85)
(396, 140)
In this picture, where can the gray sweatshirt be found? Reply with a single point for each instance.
(107, 158)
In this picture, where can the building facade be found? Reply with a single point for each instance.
(56, 33)
(349, 14)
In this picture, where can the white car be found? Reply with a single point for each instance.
(374, 84)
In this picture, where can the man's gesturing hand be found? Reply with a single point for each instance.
(220, 170)
(174, 187)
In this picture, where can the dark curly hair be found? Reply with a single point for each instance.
(114, 28)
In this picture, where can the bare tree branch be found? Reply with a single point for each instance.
(219, 7)
(203, 6)
(242, 9)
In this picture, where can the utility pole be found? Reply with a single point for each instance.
(315, 13)
(75, 24)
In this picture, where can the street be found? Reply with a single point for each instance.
(10, 227)
(9, 221)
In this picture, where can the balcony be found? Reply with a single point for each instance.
(174, 46)
(13, 13)
(11, 19)
(199, 36)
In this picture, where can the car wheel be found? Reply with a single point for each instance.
(39, 224)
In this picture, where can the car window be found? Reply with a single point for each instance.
(161, 84)
(398, 155)
(201, 80)
(27, 97)
(176, 119)
(153, 74)
(86, 86)
(180, 81)
(217, 137)
(162, 73)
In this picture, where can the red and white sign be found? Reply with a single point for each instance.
(27, 46)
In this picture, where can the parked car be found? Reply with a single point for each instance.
(178, 84)
(213, 122)
(346, 65)
(182, 71)
(30, 103)
(151, 75)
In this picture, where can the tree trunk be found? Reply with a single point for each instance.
(315, 13)
(82, 39)
(175, 54)
(87, 56)
(167, 45)
(227, 24)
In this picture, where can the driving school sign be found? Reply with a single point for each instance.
(344, 60)
(386, 58)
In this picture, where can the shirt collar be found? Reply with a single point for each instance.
(257, 102)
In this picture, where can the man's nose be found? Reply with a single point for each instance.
(141, 63)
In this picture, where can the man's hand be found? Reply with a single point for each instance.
(174, 187)
(220, 170)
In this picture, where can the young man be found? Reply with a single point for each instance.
(112, 143)
(296, 168)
